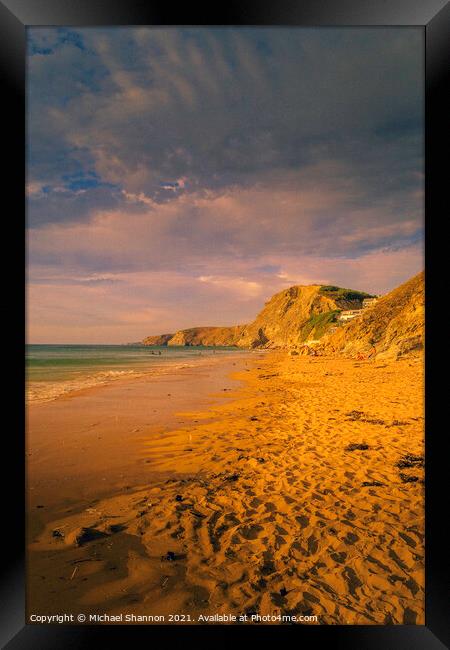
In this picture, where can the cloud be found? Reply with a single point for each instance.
(377, 272)
(145, 107)
(180, 176)
(240, 287)
(205, 229)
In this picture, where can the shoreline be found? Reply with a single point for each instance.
(43, 391)
(283, 498)
(65, 436)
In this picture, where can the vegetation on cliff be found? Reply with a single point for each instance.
(317, 325)
(346, 295)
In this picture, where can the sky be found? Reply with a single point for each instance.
(181, 176)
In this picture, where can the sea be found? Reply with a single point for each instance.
(54, 370)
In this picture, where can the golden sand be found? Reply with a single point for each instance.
(286, 499)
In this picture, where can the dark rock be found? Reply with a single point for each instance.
(360, 415)
(409, 460)
(357, 446)
(405, 478)
(355, 415)
(232, 477)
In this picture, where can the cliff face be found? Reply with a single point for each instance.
(298, 314)
(394, 325)
(289, 318)
(207, 336)
(158, 339)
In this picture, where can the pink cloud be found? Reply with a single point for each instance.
(209, 258)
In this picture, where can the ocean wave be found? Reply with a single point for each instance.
(47, 391)
(50, 390)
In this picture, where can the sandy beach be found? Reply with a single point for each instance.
(296, 487)
(91, 442)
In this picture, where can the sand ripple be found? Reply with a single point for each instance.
(303, 495)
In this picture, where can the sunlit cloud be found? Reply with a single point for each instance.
(179, 177)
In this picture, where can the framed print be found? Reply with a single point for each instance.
(230, 424)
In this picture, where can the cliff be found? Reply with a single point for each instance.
(394, 325)
(158, 339)
(226, 336)
(298, 314)
(289, 318)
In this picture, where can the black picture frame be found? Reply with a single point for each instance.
(434, 17)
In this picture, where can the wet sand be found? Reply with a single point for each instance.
(298, 492)
(92, 442)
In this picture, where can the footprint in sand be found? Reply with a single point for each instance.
(351, 539)
(313, 545)
(303, 520)
(352, 580)
(251, 532)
